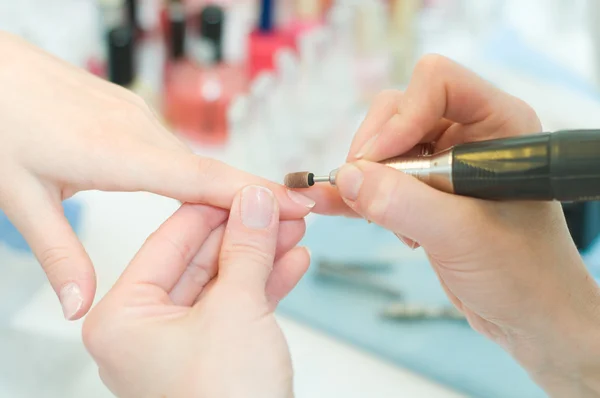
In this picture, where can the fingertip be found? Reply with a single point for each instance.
(287, 272)
(76, 297)
(258, 209)
(349, 181)
(308, 253)
(293, 204)
(250, 241)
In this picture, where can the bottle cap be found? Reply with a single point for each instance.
(121, 55)
(212, 20)
(177, 30)
(265, 19)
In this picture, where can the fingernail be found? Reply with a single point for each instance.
(366, 148)
(308, 252)
(258, 205)
(301, 199)
(71, 300)
(408, 242)
(349, 180)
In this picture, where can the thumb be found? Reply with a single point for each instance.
(249, 244)
(40, 219)
(402, 204)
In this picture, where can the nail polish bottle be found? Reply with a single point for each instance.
(199, 88)
(122, 65)
(175, 33)
(121, 57)
(266, 40)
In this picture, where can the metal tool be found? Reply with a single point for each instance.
(356, 266)
(408, 311)
(357, 277)
(563, 166)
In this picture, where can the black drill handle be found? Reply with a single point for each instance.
(563, 166)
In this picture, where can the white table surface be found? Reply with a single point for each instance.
(117, 224)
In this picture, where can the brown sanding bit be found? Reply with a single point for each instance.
(305, 179)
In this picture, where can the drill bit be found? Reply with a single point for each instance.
(305, 179)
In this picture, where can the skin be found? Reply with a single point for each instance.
(164, 332)
(208, 281)
(64, 131)
(512, 268)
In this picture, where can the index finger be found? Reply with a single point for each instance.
(191, 178)
(439, 90)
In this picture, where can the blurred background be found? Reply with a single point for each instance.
(276, 86)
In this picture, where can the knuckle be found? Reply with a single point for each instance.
(528, 115)
(178, 249)
(386, 97)
(201, 272)
(134, 99)
(248, 250)
(53, 259)
(432, 63)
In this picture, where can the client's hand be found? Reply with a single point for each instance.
(512, 268)
(62, 131)
(172, 327)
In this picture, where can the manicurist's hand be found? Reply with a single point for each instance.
(62, 131)
(192, 316)
(512, 268)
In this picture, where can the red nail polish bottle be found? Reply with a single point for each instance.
(266, 40)
(198, 88)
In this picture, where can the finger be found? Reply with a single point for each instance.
(286, 274)
(248, 250)
(39, 216)
(328, 201)
(439, 88)
(167, 252)
(384, 119)
(401, 203)
(395, 124)
(201, 269)
(194, 179)
(382, 108)
(203, 266)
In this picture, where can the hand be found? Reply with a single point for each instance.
(512, 268)
(171, 327)
(64, 131)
